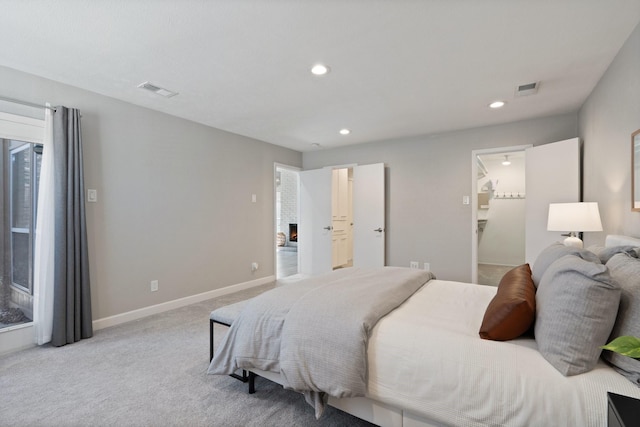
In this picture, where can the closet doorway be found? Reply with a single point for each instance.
(342, 218)
(552, 174)
(500, 214)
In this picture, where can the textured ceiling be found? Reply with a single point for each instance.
(398, 68)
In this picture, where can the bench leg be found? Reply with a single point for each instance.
(252, 382)
(244, 377)
(211, 323)
(210, 340)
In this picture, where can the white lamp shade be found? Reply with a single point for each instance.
(574, 217)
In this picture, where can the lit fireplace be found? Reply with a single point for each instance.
(293, 232)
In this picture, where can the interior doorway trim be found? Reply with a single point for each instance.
(474, 198)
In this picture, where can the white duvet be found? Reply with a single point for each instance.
(427, 357)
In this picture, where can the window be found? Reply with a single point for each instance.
(23, 195)
(20, 161)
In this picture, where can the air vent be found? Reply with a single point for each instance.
(157, 89)
(527, 89)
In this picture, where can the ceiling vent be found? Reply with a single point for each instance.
(157, 89)
(528, 89)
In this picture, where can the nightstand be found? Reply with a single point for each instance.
(623, 411)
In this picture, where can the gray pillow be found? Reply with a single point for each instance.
(555, 252)
(605, 254)
(625, 270)
(576, 306)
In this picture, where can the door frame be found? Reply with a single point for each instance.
(474, 198)
(295, 169)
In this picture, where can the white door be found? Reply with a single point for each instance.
(368, 216)
(552, 176)
(314, 227)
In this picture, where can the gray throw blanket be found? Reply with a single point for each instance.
(315, 332)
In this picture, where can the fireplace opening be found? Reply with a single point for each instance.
(293, 232)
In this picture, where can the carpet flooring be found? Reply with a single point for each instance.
(149, 372)
(491, 274)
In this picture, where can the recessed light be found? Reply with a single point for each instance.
(497, 104)
(345, 131)
(319, 69)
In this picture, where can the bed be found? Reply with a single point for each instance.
(426, 364)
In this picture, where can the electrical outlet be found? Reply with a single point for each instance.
(154, 285)
(427, 266)
(414, 264)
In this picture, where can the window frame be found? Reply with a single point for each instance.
(24, 129)
(33, 196)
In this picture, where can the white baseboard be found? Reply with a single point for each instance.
(181, 302)
(19, 337)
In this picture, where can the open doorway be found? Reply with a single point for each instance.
(363, 218)
(286, 205)
(499, 213)
(342, 218)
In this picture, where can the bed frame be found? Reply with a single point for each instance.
(371, 410)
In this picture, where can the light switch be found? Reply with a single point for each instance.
(465, 200)
(92, 195)
(254, 198)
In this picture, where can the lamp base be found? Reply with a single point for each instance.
(573, 241)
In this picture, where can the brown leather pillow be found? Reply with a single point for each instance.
(513, 310)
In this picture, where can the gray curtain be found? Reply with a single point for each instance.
(72, 295)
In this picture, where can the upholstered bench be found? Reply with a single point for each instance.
(225, 316)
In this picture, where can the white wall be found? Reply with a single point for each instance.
(427, 176)
(426, 179)
(606, 121)
(166, 209)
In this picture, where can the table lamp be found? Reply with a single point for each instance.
(574, 218)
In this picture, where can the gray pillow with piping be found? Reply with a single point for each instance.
(576, 307)
(555, 252)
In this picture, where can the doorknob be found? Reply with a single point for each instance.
(379, 230)
(328, 227)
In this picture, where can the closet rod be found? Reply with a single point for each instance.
(28, 104)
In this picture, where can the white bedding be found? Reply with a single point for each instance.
(426, 357)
